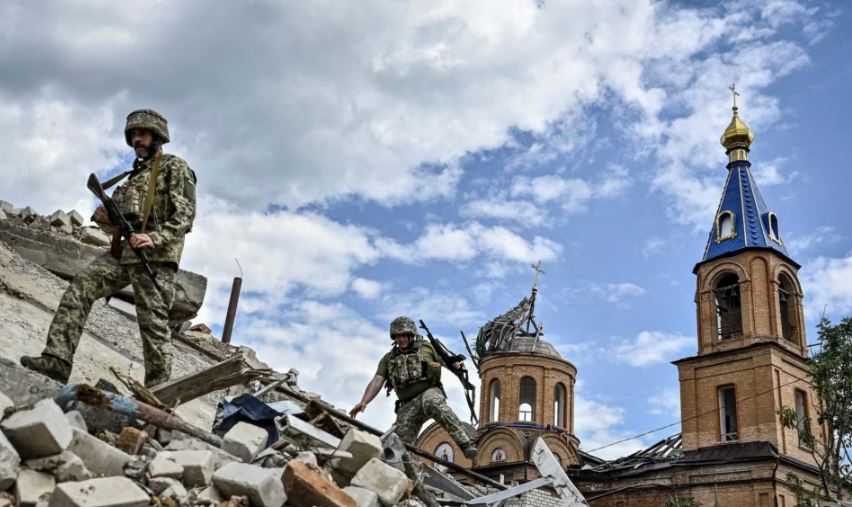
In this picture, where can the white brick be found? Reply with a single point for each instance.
(362, 445)
(163, 466)
(65, 467)
(245, 440)
(104, 492)
(33, 486)
(9, 461)
(364, 497)
(382, 479)
(262, 485)
(99, 457)
(38, 432)
(197, 466)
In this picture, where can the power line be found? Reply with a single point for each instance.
(795, 379)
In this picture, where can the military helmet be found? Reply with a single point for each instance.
(402, 325)
(147, 119)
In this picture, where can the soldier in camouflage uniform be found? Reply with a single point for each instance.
(169, 206)
(413, 370)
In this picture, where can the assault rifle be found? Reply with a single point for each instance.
(117, 218)
(461, 372)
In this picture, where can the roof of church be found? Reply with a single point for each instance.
(531, 345)
(750, 222)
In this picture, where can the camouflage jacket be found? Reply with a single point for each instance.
(172, 212)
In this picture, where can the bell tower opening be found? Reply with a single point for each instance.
(729, 312)
(787, 308)
(526, 409)
(494, 401)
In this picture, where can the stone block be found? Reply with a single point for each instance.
(160, 484)
(5, 402)
(59, 218)
(2, 215)
(9, 461)
(130, 440)
(176, 491)
(262, 485)
(162, 466)
(210, 496)
(104, 492)
(99, 457)
(362, 445)
(197, 466)
(245, 440)
(65, 467)
(75, 418)
(94, 236)
(8, 207)
(382, 479)
(306, 487)
(75, 218)
(33, 487)
(363, 497)
(40, 431)
(27, 214)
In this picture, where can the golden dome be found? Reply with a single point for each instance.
(737, 135)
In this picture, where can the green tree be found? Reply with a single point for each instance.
(831, 377)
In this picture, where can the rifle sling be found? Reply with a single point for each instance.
(152, 186)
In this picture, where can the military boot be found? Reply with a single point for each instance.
(469, 450)
(49, 366)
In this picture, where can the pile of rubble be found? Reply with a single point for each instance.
(70, 223)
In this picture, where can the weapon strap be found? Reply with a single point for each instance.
(152, 186)
(115, 179)
(115, 244)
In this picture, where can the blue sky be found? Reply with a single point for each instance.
(366, 160)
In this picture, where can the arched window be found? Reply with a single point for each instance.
(444, 451)
(498, 455)
(773, 228)
(728, 307)
(725, 226)
(526, 409)
(787, 308)
(559, 405)
(494, 403)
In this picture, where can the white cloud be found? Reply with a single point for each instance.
(367, 289)
(653, 246)
(799, 244)
(522, 212)
(616, 292)
(451, 308)
(827, 282)
(652, 347)
(572, 194)
(598, 424)
(666, 402)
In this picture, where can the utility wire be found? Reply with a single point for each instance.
(795, 379)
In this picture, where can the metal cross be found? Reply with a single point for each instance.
(538, 272)
(734, 91)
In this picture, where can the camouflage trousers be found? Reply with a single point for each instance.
(430, 404)
(103, 277)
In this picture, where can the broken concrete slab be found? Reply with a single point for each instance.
(363, 497)
(182, 443)
(210, 496)
(40, 431)
(94, 236)
(27, 214)
(384, 480)
(9, 461)
(75, 418)
(306, 487)
(362, 445)
(7, 207)
(245, 440)
(59, 218)
(262, 485)
(33, 487)
(5, 402)
(23, 386)
(177, 492)
(65, 467)
(2, 215)
(160, 484)
(76, 218)
(104, 492)
(163, 466)
(197, 466)
(99, 457)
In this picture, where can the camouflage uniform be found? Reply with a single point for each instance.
(171, 217)
(415, 375)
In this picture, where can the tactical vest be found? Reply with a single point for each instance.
(409, 366)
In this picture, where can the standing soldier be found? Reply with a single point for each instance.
(159, 196)
(413, 370)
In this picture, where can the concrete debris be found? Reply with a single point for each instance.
(160, 484)
(59, 218)
(209, 496)
(64, 466)
(27, 214)
(164, 465)
(38, 432)
(262, 485)
(94, 236)
(2, 215)
(33, 488)
(104, 492)
(382, 479)
(245, 440)
(197, 465)
(363, 497)
(7, 207)
(100, 458)
(9, 461)
(75, 218)
(75, 418)
(363, 447)
(5, 402)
